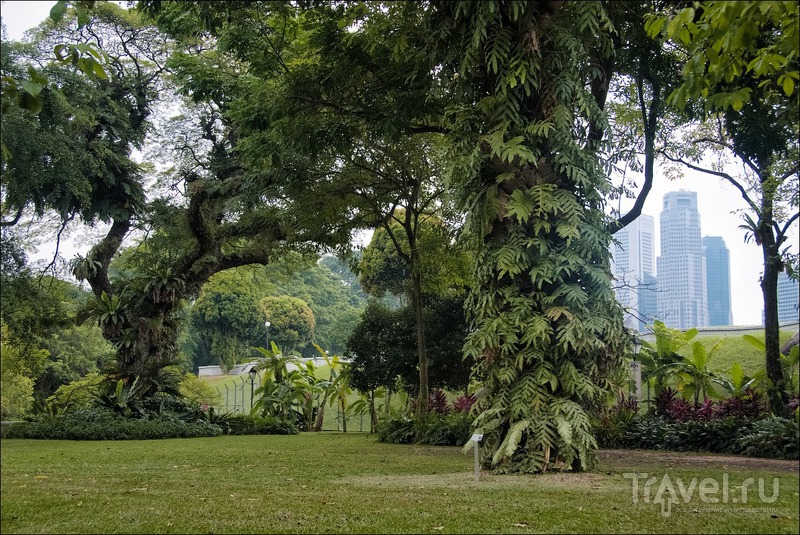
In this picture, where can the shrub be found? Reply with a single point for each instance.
(244, 424)
(715, 436)
(464, 403)
(396, 429)
(437, 402)
(102, 424)
(647, 433)
(672, 407)
(610, 425)
(750, 405)
(443, 429)
(436, 429)
(75, 396)
(774, 437)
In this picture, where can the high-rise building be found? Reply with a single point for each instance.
(788, 298)
(632, 260)
(681, 267)
(718, 281)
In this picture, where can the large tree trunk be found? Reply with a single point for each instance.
(543, 311)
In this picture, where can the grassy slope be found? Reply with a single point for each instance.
(734, 349)
(336, 483)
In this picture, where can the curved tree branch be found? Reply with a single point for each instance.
(719, 174)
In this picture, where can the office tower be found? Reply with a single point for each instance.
(632, 260)
(681, 267)
(718, 281)
(648, 299)
(788, 297)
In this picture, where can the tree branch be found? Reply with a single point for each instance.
(719, 174)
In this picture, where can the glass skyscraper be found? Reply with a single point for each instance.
(718, 281)
(788, 298)
(681, 267)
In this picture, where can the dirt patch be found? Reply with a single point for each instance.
(671, 459)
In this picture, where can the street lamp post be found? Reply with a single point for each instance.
(636, 369)
(267, 324)
(252, 374)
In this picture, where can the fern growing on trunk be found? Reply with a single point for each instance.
(546, 326)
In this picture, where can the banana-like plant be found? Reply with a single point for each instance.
(736, 383)
(693, 374)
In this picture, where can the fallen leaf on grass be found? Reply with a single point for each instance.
(520, 525)
(440, 528)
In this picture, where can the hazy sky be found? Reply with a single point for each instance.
(716, 200)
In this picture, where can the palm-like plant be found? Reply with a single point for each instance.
(693, 373)
(735, 383)
(275, 361)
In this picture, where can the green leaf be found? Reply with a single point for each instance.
(57, 12)
(788, 86)
(755, 342)
(32, 88)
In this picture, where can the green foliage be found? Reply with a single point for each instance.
(715, 436)
(771, 437)
(382, 268)
(774, 437)
(292, 321)
(729, 41)
(436, 429)
(77, 395)
(197, 391)
(383, 346)
(227, 320)
(18, 368)
(74, 352)
(98, 424)
(246, 424)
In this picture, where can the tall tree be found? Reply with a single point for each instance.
(546, 326)
(227, 320)
(291, 322)
(741, 70)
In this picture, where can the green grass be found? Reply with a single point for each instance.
(337, 483)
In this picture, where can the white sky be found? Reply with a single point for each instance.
(716, 200)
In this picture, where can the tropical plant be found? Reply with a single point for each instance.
(126, 398)
(693, 377)
(735, 383)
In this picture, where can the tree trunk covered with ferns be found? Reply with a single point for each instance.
(546, 326)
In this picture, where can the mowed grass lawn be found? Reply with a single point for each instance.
(350, 483)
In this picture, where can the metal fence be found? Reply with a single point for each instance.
(240, 397)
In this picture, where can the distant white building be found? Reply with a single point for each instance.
(681, 267)
(632, 260)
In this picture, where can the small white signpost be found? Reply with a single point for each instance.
(476, 439)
